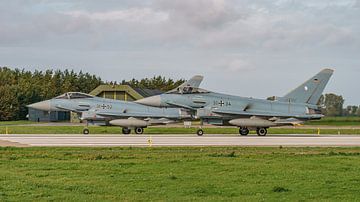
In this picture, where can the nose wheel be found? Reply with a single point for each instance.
(200, 132)
(86, 131)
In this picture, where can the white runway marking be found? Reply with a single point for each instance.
(183, 140)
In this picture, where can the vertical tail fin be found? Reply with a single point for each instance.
(194, 82)
(310, 91)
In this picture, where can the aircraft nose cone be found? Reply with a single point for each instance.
(151, 101)
(43, 105)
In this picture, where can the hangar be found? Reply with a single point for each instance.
(117, 92)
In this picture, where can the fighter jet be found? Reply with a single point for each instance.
(128, 115)
(297, 106)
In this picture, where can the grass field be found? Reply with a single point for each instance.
(11, 123)
(327, 121)
(165, 130)
(180, 174)
(13, 127)
(336, 121)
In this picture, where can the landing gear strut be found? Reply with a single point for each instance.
(126, 131)
(139, 130)
(86, 130)
(261, 131)
(243, 131)
(200, 131)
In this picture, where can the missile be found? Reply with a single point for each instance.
(255, 122)
(130, 122)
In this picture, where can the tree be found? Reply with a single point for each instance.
(333, 105)
(19, 88)
(156, 82)
(9, 106)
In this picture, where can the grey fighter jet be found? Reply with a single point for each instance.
(128, 115)
(294, 108)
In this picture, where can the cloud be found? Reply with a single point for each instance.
(189, 24)
(239, 65)
(232, 64)
(201, 14)
(182, 37)
(357, 4)
(132, 15)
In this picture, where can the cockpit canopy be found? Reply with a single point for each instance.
(74, 95)
(187, 90)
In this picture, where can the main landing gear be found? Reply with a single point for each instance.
(244, 131)
(137, 130)
(261, 131)
(126, 131)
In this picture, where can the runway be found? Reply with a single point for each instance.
(180, 140)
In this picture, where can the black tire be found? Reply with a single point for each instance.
(261, 131)
(139, 130)
(126, 131)
(86, 131)
(244, 131)
(200, 132)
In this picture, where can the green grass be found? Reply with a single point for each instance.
(156, 130)
(179, 174)
(327, 121)
(10, 123)
(336, 121)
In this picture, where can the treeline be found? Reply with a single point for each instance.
(333, 105)
(157, 82)
(19, 88)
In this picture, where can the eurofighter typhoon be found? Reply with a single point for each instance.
(128, 115)
(297, 106)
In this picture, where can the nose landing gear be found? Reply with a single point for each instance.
(200, 132)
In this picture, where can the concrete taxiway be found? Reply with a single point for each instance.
(181, 140)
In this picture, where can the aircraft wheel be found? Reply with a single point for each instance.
(86, 131)
(244, 131)
(139, 130)
(261, 131)
(126, 131)
(200, 132)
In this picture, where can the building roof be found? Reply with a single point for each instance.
(137, 93)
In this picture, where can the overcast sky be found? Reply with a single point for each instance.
(246, 47)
